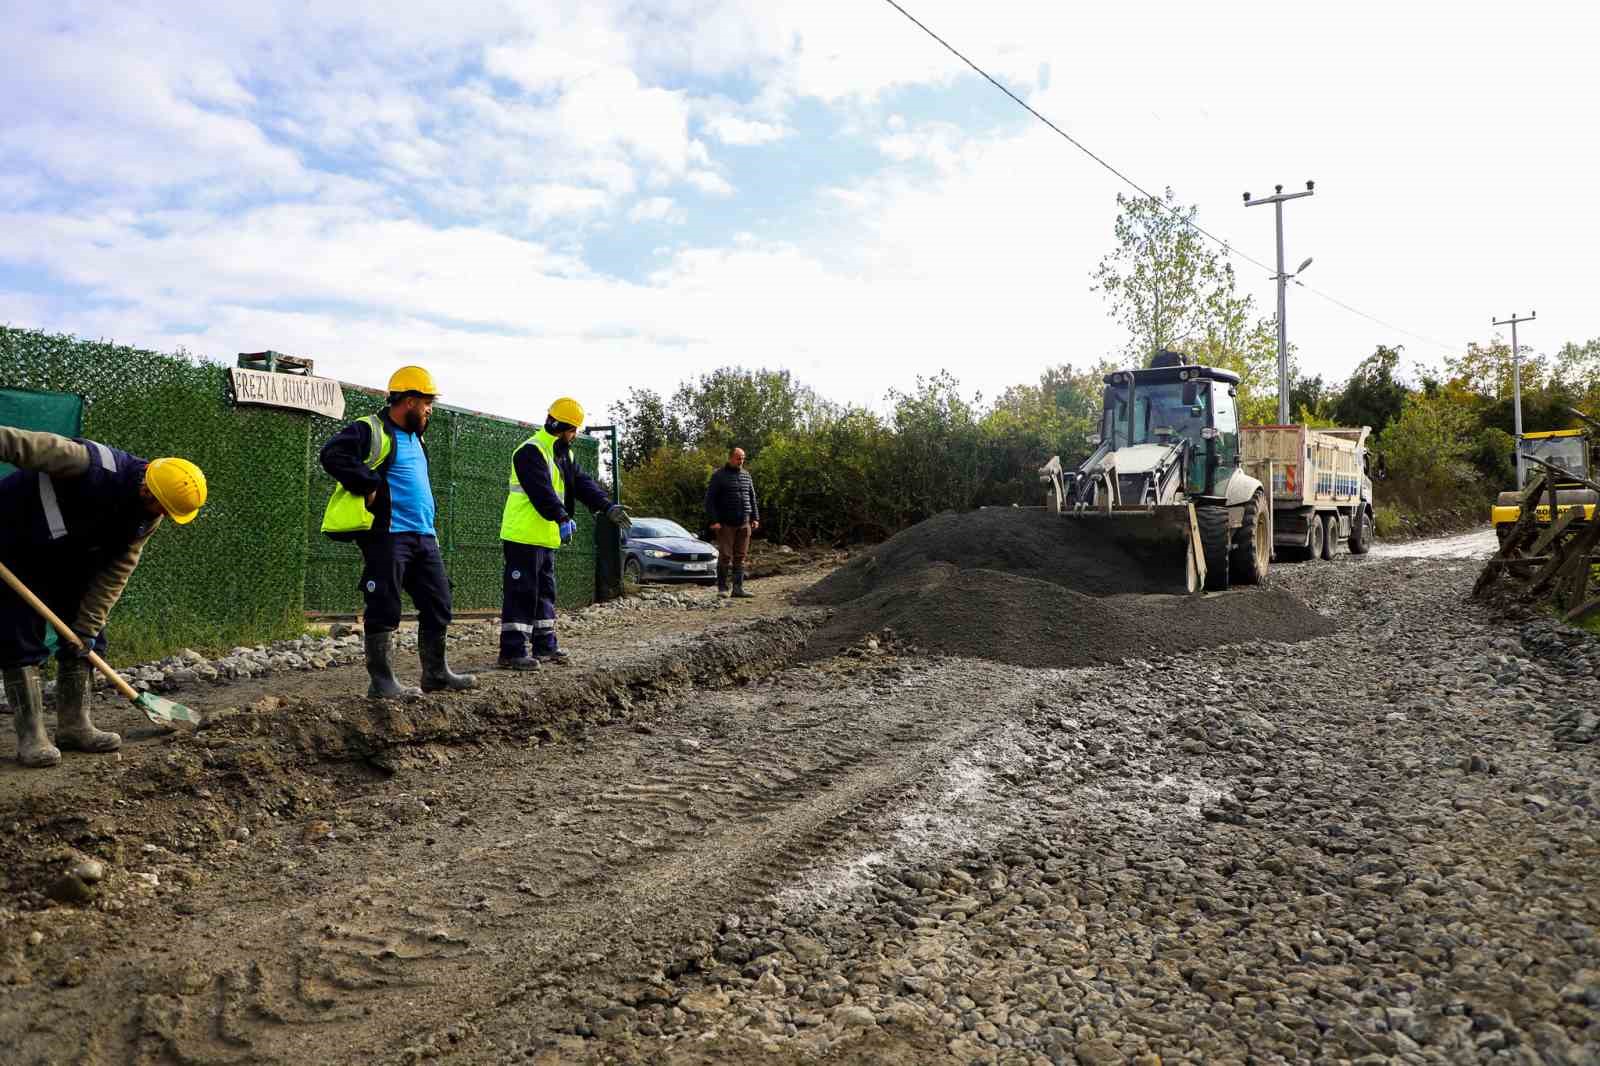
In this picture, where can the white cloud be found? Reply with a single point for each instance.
(546, 202)
(656, 209)
(730, 129)
(709, 182)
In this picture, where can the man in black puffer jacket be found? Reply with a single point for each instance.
(731, 506)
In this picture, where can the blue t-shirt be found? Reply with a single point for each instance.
(410, 496)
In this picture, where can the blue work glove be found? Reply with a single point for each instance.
(619, 517)
(568, 528)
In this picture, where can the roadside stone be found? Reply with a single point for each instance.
(854, 1016)
(69, 888)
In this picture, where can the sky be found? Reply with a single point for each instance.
(537, 199)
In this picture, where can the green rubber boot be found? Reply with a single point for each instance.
(26, 697)
(75, 731)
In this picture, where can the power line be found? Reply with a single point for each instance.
(1226, 246)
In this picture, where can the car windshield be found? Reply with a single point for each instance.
(1158, 414)
(657, 527)
(1566, 452)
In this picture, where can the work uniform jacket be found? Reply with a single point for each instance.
(549, 492)
(346, 458)
(731, 497)
(74, 504)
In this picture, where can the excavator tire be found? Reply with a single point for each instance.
(1251, 551)
(1213, 522)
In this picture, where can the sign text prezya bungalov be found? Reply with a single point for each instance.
(320, 395)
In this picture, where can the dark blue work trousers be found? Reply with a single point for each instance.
(409, 563)
(528, 613)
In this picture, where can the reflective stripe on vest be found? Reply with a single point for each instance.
(521, 523)
(347, 512)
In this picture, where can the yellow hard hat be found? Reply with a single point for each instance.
(413, 379)
(567, 410)
(178, 486)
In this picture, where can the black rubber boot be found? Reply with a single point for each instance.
(738, 587)
(75, 730)
(436, 673)
(384, 686)
(26, 697)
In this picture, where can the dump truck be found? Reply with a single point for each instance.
(1166, 478)
(1319, 486)
(1566, 459)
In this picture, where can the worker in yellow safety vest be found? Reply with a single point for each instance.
(384, 503)
(536, 523)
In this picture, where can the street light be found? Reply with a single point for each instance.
(1282, 277)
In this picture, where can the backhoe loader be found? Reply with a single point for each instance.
(1166, 480)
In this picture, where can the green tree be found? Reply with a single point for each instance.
(1373, 396)
(734, 406)
(644, 427)
(1171, 289)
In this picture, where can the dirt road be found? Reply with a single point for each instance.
(686, 849)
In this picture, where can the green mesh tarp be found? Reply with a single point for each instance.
(52, 412)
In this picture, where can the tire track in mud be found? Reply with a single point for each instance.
(562, 861)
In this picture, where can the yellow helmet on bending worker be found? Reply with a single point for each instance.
(178, 486)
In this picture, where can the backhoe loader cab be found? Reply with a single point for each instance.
(1165, 478)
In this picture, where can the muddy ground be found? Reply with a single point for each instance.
(702, 844)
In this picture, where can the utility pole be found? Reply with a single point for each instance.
(1282, 277)
(1516, 384)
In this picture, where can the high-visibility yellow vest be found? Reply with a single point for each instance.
(521, 523)
(347, 512)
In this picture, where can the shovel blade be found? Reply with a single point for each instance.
(164, 711)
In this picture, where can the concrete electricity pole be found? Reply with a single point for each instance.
(1282, 278)
(1516, 382)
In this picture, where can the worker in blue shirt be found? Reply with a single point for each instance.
(384, 503)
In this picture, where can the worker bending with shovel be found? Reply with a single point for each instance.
(536, 523)
(77, 517)
(384, 503)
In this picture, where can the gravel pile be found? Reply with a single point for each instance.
(1033, 589)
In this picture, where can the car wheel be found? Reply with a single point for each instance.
(632, 571)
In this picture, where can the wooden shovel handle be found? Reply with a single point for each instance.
(66, 632)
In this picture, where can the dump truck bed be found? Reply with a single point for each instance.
(1310, 467)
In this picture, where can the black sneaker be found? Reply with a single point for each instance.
(555, 657)
(525, 662)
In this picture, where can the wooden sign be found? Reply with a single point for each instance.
(297, 392)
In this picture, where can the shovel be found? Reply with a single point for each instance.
(160, 711)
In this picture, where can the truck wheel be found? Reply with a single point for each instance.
(1252, 548)
(1316, 532)
(1330, 535)
(1361, 533)
(1213, 523)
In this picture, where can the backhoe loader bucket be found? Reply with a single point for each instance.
(1164, 539)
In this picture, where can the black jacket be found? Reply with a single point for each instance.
(534, 477)
(731, 497)
(344, 457)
